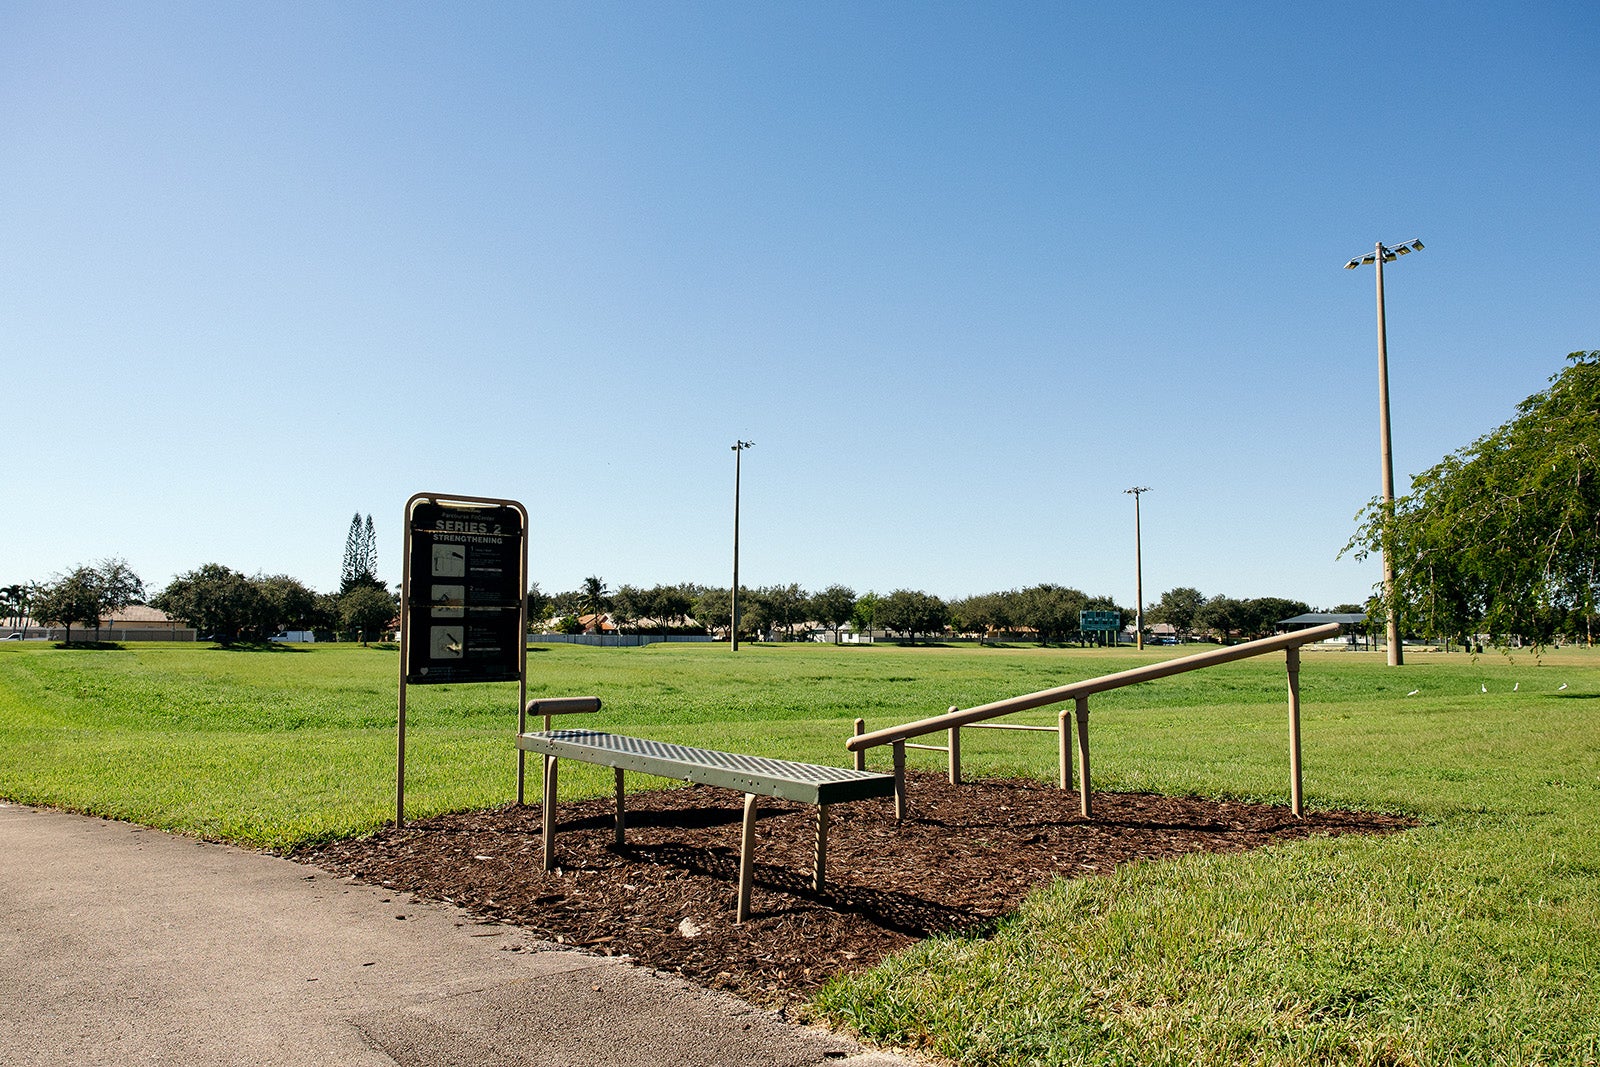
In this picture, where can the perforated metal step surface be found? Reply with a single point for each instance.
(807, 783)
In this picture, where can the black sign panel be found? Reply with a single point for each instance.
(464, 612)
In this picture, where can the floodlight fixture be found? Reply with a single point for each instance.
(1380, 255)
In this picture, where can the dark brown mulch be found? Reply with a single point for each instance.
(965, 856)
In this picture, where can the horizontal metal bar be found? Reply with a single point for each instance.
(1148, 673)
(562, 705)
(929, 748)
(1009, 726)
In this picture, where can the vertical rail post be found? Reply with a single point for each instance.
(747, 848)
(899, 750)
(1296, 796)
(1064, 774)
(1081, 712)
(548, 830)
(522, 728)
(400, 755)
(955, 751)
(861, 754)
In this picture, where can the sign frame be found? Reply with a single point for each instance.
(1107, 622)
(459, 605)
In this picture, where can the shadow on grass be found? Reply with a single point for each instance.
(257, 646)
(92, 646)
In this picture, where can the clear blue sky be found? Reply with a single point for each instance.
(963, 273)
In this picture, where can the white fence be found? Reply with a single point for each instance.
(617, 640)
(106, 633)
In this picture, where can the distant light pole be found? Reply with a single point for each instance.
(1380, 255)
(1138, 570)
(738, 454)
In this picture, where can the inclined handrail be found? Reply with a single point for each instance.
(1148, 673)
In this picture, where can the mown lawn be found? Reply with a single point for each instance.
(1475, 938)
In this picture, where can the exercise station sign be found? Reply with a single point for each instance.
(466, 562)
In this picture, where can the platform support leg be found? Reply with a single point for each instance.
(747, 847)
(621, 808)
(820, 873)
(548, 832)
(1296, 796)
(1081, 713)
(899, 750)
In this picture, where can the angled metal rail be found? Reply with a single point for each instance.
(897, 737)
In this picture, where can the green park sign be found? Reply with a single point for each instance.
(1099, 621)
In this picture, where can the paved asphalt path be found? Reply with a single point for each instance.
(126, 946)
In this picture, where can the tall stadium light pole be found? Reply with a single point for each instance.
(1138, 570)
(1381, 254)
(733, 624)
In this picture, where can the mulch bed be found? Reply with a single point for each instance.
(964, 857)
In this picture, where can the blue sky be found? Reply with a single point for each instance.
(963, 273)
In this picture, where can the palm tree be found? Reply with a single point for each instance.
(11, 604)
(594, 598)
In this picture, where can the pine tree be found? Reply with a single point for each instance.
(350, 572)
(369, 550)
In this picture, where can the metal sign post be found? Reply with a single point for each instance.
(463, 604)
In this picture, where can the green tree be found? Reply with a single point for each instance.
(712, 609)
(88, 595)
(367, 611)
(324, 618)
(360, 567)
(117, 587)
(1050, 610)
(538, 608)
(912, 612)
(833, 607)
(669, 605)
(596, 598)
(11, 604)
(1223, 616)
(629, 604)
(781, 605)
(72, 598)
(219, 602)
(1261, 615)
(1178, 608)
(566, 603)
(988, 614)
(865, 614)
(1503, 536)
(286, 604)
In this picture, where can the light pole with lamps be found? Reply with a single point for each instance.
(1381, 254)
(733, 625)
(1138, 570)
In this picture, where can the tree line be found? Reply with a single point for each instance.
(230, 607)
(1046, 613)
(222, 604)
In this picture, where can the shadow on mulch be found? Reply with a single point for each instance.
(965, 857)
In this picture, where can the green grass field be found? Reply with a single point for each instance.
(1475, 938)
